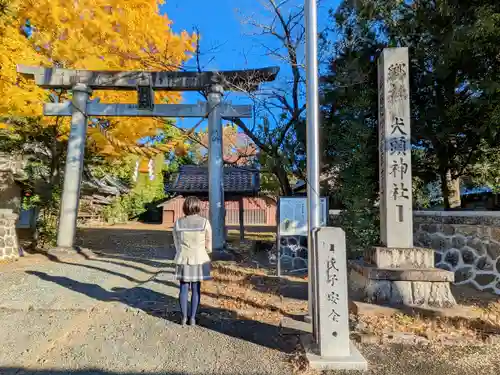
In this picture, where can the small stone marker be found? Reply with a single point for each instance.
(333, 349)
(396, 215)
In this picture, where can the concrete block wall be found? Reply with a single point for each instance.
(465, 242)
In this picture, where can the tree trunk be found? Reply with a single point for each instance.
(451, 190)
(285, 186)
(55, 166)
(55, 163)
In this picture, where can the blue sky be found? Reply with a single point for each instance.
(220, 24)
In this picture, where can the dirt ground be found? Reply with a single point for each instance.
(114, 311)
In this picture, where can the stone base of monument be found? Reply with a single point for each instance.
(308, 319)
(350, 359)
(296, 325)
(399, 276)
(9, 245)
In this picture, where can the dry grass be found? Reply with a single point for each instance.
(299, 363)
(439, 329)
(250, 293)
(234, 236)
(255, 294)
(469, 296)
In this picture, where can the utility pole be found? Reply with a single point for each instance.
(312, 125)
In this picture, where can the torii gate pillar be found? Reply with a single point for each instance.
(74, 167)
(216, 168)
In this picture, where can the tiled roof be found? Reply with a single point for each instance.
(194, 179)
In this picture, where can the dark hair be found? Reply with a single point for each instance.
(191, 206)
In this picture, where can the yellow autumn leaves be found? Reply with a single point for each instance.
(18, 96)
(88, 34)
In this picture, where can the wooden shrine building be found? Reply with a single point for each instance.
(244, 208)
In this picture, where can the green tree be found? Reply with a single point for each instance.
(485, 172)
(144, 194)
(454, 77)
(350, 129)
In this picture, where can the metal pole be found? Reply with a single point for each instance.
(313, 199)
(216, 167)
(74, 167)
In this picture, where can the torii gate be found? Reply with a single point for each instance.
(82, 82)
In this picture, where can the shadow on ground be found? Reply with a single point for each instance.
(384, 360)
(149, 247)
(154, 303)
(141, 249)
(144, 244)
(154, 248)
(469, 296)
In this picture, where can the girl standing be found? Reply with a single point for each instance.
(193, 243)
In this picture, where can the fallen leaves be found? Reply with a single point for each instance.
(299, 362)
(250, 293)
(255, 294)
(437, 329)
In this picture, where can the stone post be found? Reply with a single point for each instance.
(396, 219)
(216, 168)
(396, 272)
(74, 168)
(332, 348)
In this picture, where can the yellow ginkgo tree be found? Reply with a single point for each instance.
(88, 34)
(80, 34)
(18, 95)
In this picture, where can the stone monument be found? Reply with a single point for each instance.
(11, 168)
(396, 272)
(331, 347)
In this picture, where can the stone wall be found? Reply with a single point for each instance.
(465, 242)
(292, 252)
(9, 247)
(11, 168)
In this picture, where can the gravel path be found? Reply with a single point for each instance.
(434, 360)
(116, 313)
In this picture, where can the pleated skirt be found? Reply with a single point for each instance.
(193, 273)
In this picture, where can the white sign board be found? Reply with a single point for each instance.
(293, 215)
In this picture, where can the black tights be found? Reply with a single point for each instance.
(195, 298)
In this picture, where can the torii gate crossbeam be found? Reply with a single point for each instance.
(96, 109)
